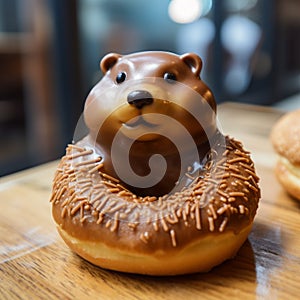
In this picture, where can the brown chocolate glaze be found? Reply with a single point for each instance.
(141, 152)
(135, 106)
(92, 206)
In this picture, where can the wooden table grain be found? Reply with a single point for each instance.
(36, 264)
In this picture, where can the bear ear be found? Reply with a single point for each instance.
(108, 61)
(193, 61)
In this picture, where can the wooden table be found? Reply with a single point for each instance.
(36, 264)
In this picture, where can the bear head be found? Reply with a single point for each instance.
(150, 103)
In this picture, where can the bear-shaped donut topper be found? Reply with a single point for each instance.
(151, 118)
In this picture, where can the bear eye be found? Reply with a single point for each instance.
(121, 77)
(170, 77)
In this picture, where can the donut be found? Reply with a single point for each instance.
(191, 218)
(285, 137)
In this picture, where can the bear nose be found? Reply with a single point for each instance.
(139, 98)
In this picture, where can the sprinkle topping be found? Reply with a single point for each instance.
(213, 201)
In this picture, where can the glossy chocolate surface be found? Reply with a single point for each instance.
(140, 100)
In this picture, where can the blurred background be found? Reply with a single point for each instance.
(50, 52)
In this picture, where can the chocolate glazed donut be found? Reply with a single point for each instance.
(154, 188)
